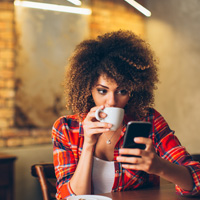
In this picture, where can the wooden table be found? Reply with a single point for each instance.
(164, 192)
(7, 176)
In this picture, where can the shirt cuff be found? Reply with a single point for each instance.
(66, 190)
(196, 180)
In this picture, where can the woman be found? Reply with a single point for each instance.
(118, 69)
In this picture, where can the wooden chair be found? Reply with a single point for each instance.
(196, 157)
(47, 179)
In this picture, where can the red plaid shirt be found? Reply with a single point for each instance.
(68, 137)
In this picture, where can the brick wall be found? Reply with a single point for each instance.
(111, 15)
(7, 55)
(108, 15)
(10, 135)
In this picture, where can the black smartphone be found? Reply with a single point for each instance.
(136, 129)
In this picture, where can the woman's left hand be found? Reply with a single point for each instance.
(147, 161)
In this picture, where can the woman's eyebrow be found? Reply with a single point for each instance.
(99, 85)
(102, 86)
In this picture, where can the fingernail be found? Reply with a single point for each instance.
(103, 114)
(136, 139)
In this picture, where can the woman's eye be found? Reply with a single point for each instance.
(102, 91)
(123, 92)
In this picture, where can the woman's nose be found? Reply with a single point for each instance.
(111, 101)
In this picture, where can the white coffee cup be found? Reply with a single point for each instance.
(114, 116)
(84, 197)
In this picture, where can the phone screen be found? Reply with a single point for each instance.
(136, 129)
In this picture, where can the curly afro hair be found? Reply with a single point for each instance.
(121, 56)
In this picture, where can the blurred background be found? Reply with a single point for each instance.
(35, 45)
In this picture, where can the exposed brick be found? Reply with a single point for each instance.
(4, 123)
(7, 93)
(11, 122)
(2, 103)
(6, 112)
(2, 143)
(6, 15)
(105, 17)
(43, 140)
(2, 63)
(7, 54)
(9, 44)
(9, 133)
(4, 25)
(10, 83)
(14, 142)
(41, 132)
(7, 73)
(10, 103)
(7, 35)
(2, 83)
(8, 5)
(9, 64)
(2, 43)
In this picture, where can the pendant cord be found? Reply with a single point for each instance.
(109, 139)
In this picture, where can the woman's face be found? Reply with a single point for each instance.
(106, 92)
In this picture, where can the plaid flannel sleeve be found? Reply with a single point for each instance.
(64, 161)
(169, 148)
(194, 167)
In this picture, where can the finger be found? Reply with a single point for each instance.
(91, 115)
(102, 115)
(98, 124)
(93, 109)
(141, 140)
(131, 166)
(147, 141)
(99, 130)
(131, 160)
(133, 152)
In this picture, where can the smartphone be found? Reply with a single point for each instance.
(136, 129)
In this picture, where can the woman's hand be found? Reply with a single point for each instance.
(151, 163)
(147, 159)
(93, 128)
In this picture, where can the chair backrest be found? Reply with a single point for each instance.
(47, 179)
(196, 157)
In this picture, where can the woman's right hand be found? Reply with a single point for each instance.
(93, 128)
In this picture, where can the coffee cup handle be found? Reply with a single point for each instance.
(97, 114)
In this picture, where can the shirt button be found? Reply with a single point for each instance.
(117, 171)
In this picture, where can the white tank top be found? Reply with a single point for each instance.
(103, 174)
